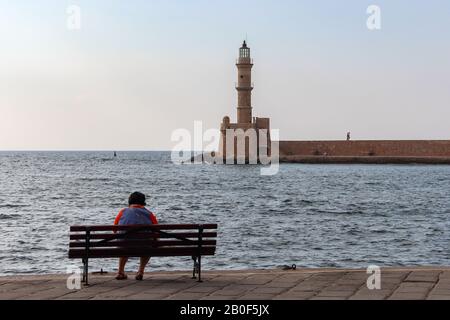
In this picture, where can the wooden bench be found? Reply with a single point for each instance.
(193, 240)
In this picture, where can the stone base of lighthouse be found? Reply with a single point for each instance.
(244, 142)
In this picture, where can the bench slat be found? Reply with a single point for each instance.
(139, 252)
(150, 227)
(147, 235)
(133, 243)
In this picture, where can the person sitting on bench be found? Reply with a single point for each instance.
(137, 214)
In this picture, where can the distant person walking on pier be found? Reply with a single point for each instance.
(136, 213)
(348, 136)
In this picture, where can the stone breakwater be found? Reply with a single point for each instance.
(366, 151)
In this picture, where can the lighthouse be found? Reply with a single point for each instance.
(244, 135)
(244, 85)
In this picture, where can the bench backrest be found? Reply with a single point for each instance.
(109, 241)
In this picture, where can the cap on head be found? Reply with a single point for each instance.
(137, 198)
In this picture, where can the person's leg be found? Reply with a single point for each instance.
(122, 263)
(143, 263)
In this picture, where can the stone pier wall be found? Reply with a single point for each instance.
(366, 151)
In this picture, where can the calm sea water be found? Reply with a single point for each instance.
(310, 215)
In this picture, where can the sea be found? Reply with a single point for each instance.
(310, 215)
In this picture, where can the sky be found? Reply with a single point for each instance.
(138, 70)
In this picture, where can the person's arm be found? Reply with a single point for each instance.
(154, 221)
(118, 217)
(153, 218)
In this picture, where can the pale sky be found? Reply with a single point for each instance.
(137, 70)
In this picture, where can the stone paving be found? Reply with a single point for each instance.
(301, 284)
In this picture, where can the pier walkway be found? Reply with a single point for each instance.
(336, 284)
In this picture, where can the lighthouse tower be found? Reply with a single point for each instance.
(247, 128)
(244, 85)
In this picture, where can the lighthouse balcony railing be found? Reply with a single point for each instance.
(244, 61)
(243, 85)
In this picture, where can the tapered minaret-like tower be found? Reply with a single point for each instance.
(247, 129)
(244, 85)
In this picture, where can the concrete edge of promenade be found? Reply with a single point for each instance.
(395, 283)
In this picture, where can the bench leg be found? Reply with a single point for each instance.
(87, 273)
(84, 271)
(195, 267)
(200, 269)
